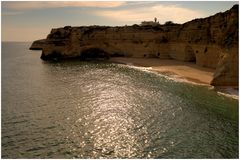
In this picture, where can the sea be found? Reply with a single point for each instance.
(98, 109)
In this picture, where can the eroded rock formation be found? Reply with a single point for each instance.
(209, 42)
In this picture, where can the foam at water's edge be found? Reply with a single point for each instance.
(228, 95)
(228, 92)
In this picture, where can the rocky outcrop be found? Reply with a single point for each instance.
(209, 42)
(38, 45)
(226, 73)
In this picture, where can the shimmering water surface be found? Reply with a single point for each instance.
(74, 109)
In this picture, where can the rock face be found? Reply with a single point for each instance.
(37, 45)
(209, 42)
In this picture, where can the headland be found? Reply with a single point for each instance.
(202, 50)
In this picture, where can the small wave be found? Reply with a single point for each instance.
(35, 149)
(16, 122)
(130, 65)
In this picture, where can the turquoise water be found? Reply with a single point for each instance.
(74, 109)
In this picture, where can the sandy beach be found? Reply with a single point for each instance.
(173, 68)
(187, 71)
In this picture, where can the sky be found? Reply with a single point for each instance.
(32, 20)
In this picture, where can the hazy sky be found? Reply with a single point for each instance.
(32, 20)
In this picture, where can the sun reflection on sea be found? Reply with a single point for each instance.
(112, 132)
(110, 128)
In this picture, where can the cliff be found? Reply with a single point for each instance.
(209, 42)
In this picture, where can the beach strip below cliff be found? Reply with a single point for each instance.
(172, 68)
(187, 72)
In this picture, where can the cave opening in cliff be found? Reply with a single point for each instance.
(55, 55)
(94, 53)
(193, 58)
(189, 54)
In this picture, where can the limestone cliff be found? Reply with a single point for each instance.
(210, 42)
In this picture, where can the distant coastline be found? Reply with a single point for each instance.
(16, 41)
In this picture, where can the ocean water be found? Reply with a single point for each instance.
(74, 109)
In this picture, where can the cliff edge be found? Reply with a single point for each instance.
(209, 42)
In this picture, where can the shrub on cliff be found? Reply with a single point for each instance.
(170, 23)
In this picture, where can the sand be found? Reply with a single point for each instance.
(173, 68)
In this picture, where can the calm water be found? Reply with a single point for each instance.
(76, 109)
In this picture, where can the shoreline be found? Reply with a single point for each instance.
(172, 68)
(187, 72)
